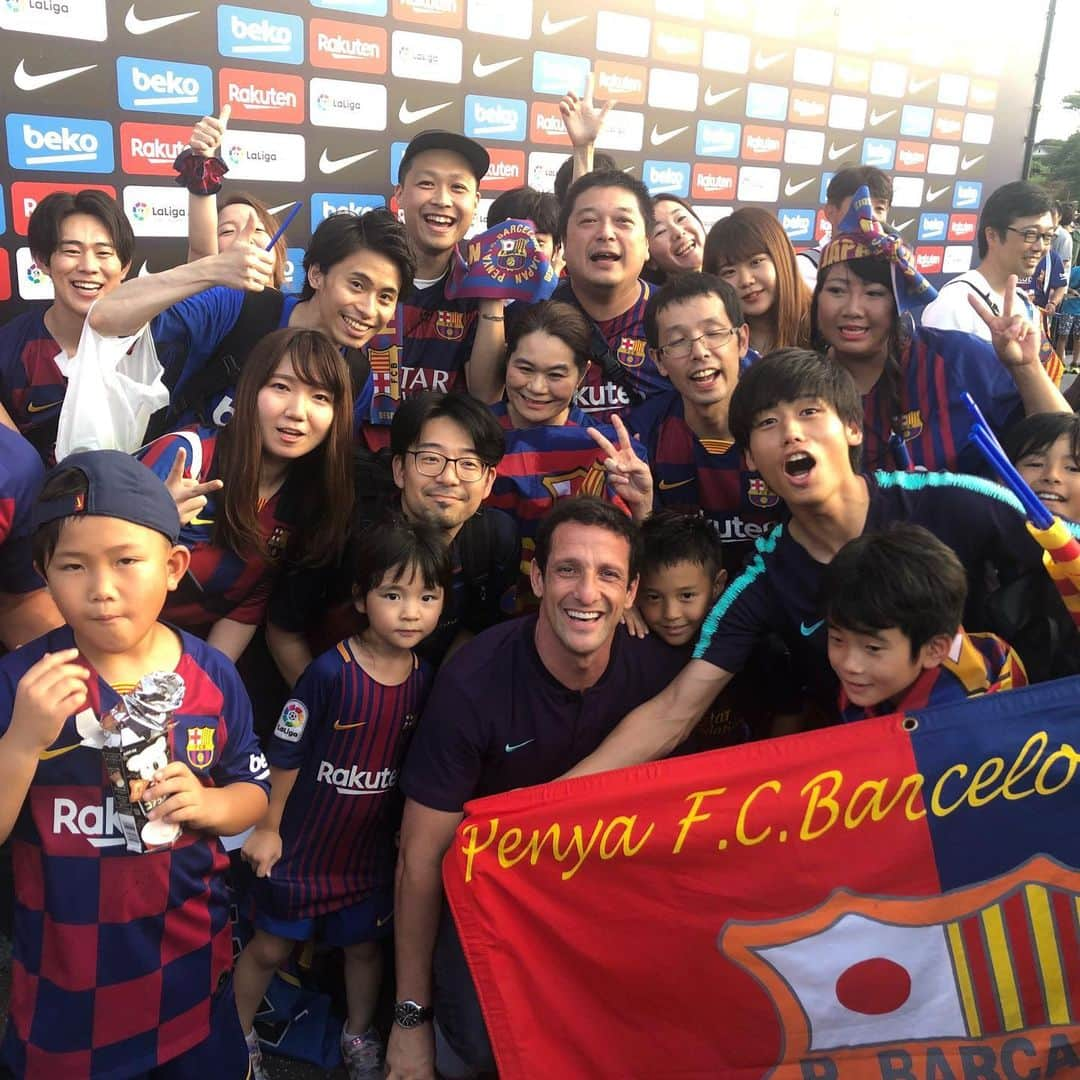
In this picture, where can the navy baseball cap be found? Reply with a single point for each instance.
(117, 486)
(469, 149)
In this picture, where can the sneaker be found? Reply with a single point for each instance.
(364, 1055)
(255, 1058)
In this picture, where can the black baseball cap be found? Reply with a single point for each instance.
(117, 486)
(469, 149)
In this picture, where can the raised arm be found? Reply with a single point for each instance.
(484, 372)
(584, 121)
(205, 141)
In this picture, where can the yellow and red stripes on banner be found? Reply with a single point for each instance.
(1017, 962)
(1061, 557)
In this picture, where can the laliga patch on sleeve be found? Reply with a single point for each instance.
(293, 720)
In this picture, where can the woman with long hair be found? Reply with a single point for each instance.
(275, 484)
(750, 250)
(677, 243)
(912, 378)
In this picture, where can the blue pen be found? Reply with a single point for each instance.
(285, 224)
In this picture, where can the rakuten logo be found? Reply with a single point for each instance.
(762, 144)
(153, 86)
(507, 170)
(929, 259)
(99, 826)
(354, 781)
(59, 144)
(446, 13)
(5, 275)
(25, 196)
(269, 97)
(714, 181)
(253, 34)
(151, 149)
(808, 107)
(911, 157)
(621, 82)
(546, 125)
(347, 47)
(962, 228)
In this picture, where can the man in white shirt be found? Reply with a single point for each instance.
(1015, 229)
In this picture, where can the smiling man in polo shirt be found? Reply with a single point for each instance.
(519, 705)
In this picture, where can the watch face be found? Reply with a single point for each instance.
(410, 1014)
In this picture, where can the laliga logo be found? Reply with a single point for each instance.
(323, 101)
(236, 155)
(33, 271)
(138, 211)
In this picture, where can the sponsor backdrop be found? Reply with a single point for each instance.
(725, 102)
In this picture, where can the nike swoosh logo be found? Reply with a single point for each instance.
(658, 140)
(916, 86)
(25, 81)
(834, 153)
(384, 920)
(201, 521)
(338, 726)
(556, 26)
(46, 755)
(668, 485)
(807, 631)
(763, 62)
(134, 25)
(284, 206)
(967, 163)
(931, 194)
(482, 70)
(328, 165)
(410, 116)
(32, 408)
(517, 746)
(903, 225)
(794, 189)
(715, 99)
(880, 118)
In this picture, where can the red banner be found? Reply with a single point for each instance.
(892, 899)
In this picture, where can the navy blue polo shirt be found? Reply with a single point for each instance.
(498, 719)
(780, 588)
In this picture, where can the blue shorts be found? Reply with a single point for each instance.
(370, 920)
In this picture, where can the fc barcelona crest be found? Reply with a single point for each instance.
(200, 747)
(512, 257)
(450, 325)
(631, 352)
(760, 494)
(911, 425)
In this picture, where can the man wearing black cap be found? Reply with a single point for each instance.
(437, 195)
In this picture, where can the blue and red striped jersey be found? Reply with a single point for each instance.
(32, 386)
(706, 476)
(21, 475)
(219, 583)
(620, 344)
(930, 418)
(116, 954)
(976, 664)
(346, 733)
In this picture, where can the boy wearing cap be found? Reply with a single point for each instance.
(121, 959)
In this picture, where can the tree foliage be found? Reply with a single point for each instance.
(1059, 167)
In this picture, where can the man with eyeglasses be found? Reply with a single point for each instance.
(695, 327)
(1015, 233)
(444, 449)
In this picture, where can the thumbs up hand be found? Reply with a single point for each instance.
(245, 265)
(208, 133)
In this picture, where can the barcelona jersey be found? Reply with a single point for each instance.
(32, 386)
(347, 734)
(117, 955)
(21, 474)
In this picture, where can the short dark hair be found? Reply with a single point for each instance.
(395, 546)
(557, 318)
(1068, 213)
(788, 375)
(526, 203)
(341, 235)
(686, 286)
(846, 182)
(43, 230)
(475, 417)
(565, 176)
(1006, 204)
(903, 578)
(607, 178)
(588, 510)
(1039, 432)
(669, 537)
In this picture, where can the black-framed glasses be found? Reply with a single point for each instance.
(1032, 235)
(683, 347)
(432, 463)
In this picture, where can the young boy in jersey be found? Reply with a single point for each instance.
(324, 859)
(121, 959)
(894, 601)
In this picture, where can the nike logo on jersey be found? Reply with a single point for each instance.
(201, 521)
(715, 99)
(25, 81)
(835, 153)
(658, 139)
(384, 920)
(339, 726)
(31, 407)
(808, 631)
(482, 70)
(668, 485)
(411, 116)
(48, 755)
(557, 26)
(328, 165)
(517, 746)
(134, 25)
(794, 189)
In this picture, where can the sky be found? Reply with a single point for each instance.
(1062, 74)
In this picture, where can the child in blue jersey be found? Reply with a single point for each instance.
(324, 853)
(121, 958)
(894, 601)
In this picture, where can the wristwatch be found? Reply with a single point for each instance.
(411, 1014)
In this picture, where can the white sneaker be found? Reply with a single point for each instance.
(257, 1071)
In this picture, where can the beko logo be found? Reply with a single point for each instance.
(59, 143)
(253, 34)
(155, 86)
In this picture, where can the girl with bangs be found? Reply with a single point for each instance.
(751, 252)
(677, 243)
(244, 490)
